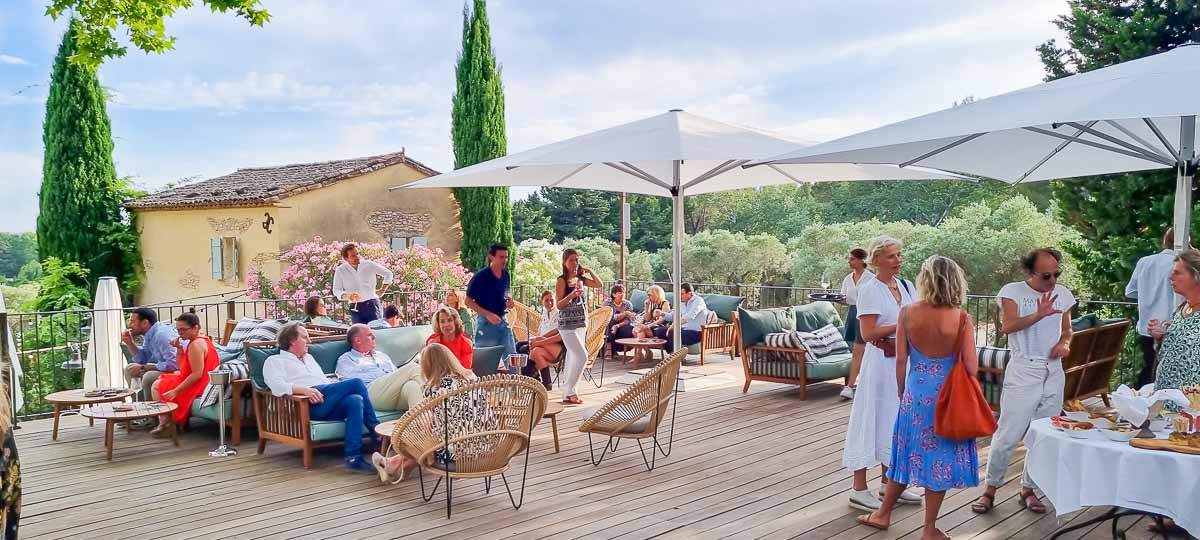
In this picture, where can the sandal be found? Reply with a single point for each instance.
(865, 520)
(1034, 506)
(572, 400)
(386, 477)
(984, 503)
(1169, 525)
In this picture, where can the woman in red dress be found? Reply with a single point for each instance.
(448, 330)
(194, 364)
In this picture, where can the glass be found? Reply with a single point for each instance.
(825, 280)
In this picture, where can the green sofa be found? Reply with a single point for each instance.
(786, 365)
(286, 419)
(718, 335)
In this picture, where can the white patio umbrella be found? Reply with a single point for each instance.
(1133, 116)
(18, 396)
(105, 365)
(675, 154)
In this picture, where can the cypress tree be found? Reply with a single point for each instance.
(80, 196)
(477, 127)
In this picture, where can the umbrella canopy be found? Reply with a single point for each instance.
(105, 365)
(675, 154)
(1134, 116)
(14, 358)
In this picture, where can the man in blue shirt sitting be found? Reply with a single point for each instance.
(389, 388)
(156, 355)
(487, 295)
(695, 314)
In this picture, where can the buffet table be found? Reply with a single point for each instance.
(1094, 471)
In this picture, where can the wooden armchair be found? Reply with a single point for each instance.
(638, 412)
(516, 403)
(1094, 355)
(718, 337)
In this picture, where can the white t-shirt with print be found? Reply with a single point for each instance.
(1035, 342)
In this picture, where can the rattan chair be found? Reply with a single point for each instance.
(594, 342)
(637, 413)
(523, 320)
(517, 404)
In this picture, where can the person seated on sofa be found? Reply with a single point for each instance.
(621, 324)
(156, 355)
(448, 330)
(389, 388)
(651, 317)
(391, 318)
(294, 372)
(442, 373)
(695, 314)
(546, 348)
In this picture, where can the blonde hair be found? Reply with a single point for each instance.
(941, 282)
(459, 297)
(453, 314)
(1191, 262)
(656, 294)
(879, 245)
(437, 362)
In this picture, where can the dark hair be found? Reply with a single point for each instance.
(391, 311)
(1029, 261)
(543, 295)
(146, 314)
(566, 255)
(189, 319)
(346, 248)
(616, 289)
(496, 248)
(1169, 238)
(354, 331)
(686, 286)
(288, 334)
(859, 253)
(310, 305)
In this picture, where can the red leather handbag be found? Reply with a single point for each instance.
(962, 412)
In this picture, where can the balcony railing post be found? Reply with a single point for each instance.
(230, 314)
(6, 357)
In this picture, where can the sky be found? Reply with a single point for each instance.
(333, 79)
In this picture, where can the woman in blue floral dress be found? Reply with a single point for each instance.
(928, 333)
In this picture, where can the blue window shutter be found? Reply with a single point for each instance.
(217, 258)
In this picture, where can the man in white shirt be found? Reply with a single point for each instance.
(354, 282)
(1036, 316)
(294, 372)
(1150, 285)
(389, 388)
(695, 315)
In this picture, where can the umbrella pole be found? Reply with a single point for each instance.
(1185, 171)
(677, 255)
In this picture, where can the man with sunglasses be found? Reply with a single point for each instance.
(1036, 316)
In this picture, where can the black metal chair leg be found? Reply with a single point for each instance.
(449, 493)
(421, 479)
(592, 449)
(487, 486)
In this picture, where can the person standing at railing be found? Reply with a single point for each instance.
(354, 281)
(1150, 285)
(488, 296)
(855, 279)
(156, 355)
(1036, 316)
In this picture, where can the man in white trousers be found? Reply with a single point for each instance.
(1035, 314)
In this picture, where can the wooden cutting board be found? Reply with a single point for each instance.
(1163, 444)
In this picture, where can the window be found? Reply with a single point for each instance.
(224, 259)
(403, 243)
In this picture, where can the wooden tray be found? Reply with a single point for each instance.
(1163, 444)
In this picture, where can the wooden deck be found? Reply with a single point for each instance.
(759, 465)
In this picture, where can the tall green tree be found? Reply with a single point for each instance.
(81, 218)
(530, 221)
(16, 250)
(477, 127)
(1120, 217)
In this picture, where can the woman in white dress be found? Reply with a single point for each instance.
(859, 275)
(877, 400)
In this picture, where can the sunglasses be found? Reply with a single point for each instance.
(1047, 275)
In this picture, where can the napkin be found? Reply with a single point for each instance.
(1139, 406)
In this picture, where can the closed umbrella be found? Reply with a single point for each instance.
(675, 154)
(105, 365)
(1133, 116)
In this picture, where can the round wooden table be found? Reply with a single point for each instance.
(649, 344)
(78, 398)
(384, 430)
(136, 411)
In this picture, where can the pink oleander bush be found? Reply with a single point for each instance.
(422, 276)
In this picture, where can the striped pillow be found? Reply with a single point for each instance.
(239, 370)
(826, 341)
(240, 332)
(785, 340)
(267, 330)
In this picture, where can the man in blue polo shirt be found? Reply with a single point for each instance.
(487, 295)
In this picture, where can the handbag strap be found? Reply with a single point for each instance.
(958, 340)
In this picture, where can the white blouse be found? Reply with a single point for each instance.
(850, 288)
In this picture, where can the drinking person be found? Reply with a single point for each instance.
(572, 320)
(181, 388)
(156, 355)
(857, 260)
(354, 281)
(1150, 286)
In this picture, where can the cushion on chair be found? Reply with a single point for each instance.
(992, 383)
(637, 297)
(638, 426)
(723, 305)
(757, 323)
(824, 342)
(1084, 322)
(329, 430)
(256, 357)
(327, 353)
(210, 412)
(783, 369)
(829, 367)
(267, 330)
(811, 317)
(240, 332)
(487, 360)
(238, 370)
(402, 343)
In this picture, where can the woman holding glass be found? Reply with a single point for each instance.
(572, 320)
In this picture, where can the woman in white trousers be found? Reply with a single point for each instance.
(572, 320)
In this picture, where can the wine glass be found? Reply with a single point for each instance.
(825, 279)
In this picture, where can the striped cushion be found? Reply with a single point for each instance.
(238, 369)
(786, 340)
(825, 342)
(992, 383)
(784, 369)
(240, 332)
(267, 330)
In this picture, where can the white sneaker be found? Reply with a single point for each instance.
(847, 392)
(863, 500)
(907, 496)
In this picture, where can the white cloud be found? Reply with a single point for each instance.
(15, 60)
(20, 177)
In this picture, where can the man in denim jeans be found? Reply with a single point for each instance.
(487, 295)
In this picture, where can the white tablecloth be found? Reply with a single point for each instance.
(1076, 473)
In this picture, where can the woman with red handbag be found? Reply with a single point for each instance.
(935, 343)
(873, 414)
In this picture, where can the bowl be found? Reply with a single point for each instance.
(1120, 436)
(1081, 416)
(1080, 433)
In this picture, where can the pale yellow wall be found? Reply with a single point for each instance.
(177, 255)
(339, 211)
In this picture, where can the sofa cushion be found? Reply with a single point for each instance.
(723, 305)
(830, 367)
(238, 370)
(811, 317)
(256, 357)
(757, 323)
(327, 353)
(637, 297)
(210, 412)
(329, 430)
(1084, 322)
(992, 383)
(402, 343)
(823, 343)
(240, 331)
(783, 369)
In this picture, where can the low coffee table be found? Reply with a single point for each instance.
(77, 398)
(648, 344)
(137, 410)
(384, 430)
